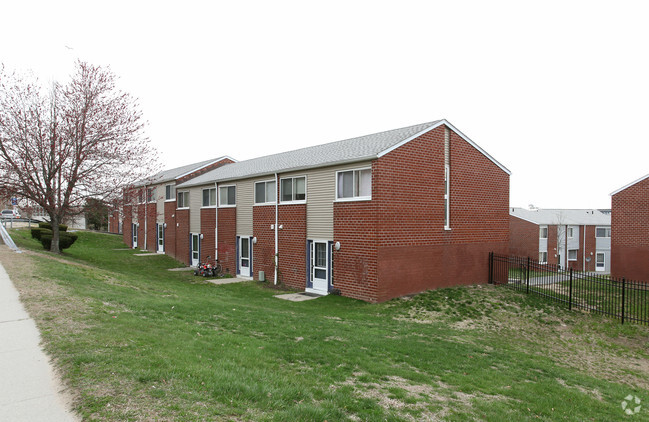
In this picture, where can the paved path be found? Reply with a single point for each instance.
(28, 387)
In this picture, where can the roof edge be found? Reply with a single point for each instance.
(205, 165)
(456, 130)
(629, 185)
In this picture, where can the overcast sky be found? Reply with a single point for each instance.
(557, 91)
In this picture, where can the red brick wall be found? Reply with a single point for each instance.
(292, 246)
(523, 238)
(127, 234)
(113, 222)
(590, 247)
(415, 252)
(630, 232)
(553, 257)
(208, 223)
(264, 249)
(355, 270)
(151, 211)
(182, 236)
(227, 239)
(170, 230)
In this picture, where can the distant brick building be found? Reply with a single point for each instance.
(577, 239)
(375, 217)
(630, 231)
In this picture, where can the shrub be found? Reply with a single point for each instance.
(65, 240)
(46, 225)
(38, 232)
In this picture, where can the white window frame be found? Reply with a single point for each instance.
(576, 251)
(226, 205)
(209, 199)
(292, 201)
(570, 233)
(170, 187)
(185, 195)
(607, 231)
(541, 232)
(355, 196)
(266, 202)
(541, 260)
(150, 194)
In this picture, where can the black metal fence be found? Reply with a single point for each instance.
(619, 298)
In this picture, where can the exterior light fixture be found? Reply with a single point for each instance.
(254, 240)
(337, 246)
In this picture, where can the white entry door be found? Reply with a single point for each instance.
(600, 262)
(134, 232)
(195, 249)
(320, 266)
(161, 238)
(244, 256)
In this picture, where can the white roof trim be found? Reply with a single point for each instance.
(629, 185)
(203, 166)
(526, 219)
(454, 129)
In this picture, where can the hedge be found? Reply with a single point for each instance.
(65, 240)
(46, 225)
(37, 232)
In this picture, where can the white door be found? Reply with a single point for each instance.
(244, 256)
(134, 231)
(600, 262)
(320, 266)
(161, 238)
(195, 246)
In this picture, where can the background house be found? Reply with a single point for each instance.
(578, 239)
(630, 230)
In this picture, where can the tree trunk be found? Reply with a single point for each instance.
(55, 234)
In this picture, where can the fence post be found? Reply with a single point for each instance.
(527, 275)
(623, 289)
(570, 292)
(491, 268)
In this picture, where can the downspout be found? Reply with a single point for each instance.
(146, 203)
(276, 233)
(216, 224)
(583, 255)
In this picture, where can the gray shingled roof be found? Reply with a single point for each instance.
(589, 217)
(173, 174)
(350, 150)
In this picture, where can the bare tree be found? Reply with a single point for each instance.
(63, 144)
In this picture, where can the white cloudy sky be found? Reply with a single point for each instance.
(557, 91)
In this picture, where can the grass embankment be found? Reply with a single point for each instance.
(137, 342)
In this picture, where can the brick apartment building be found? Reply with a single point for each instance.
(374, 217)
(630, 229)
(578, 239)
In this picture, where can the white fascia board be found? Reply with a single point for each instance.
(205, 165)
(629, 185)
(454, 129)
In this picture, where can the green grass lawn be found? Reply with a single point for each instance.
(137, 342)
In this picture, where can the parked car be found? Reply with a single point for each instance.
(10, 214)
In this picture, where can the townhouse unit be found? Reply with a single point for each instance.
(142, 223)
(630, 228)
(373, 217)
(570, 238)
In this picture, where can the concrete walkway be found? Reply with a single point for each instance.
(28, 388)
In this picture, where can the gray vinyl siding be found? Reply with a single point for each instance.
(573, 242)
(195, 203)
(543, 243)
(160, 203)
(245, 201)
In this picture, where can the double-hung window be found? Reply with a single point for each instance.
(603, 232)
(209, 197)
(182, 199)
(543, 232)
(354, 184)
(150, 194)
(227, 196)
(265, 192)
(543, 257)
(572, 254)
(170, 192)
(292, 189)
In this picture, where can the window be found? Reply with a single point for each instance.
(150, 194)
(600, 261)
(572, 254)
(265, 192)
(293, 189)
(183, 199)
(170, 192)
(140, 196)
(543, 257)
(209, 197)
(570, 233)
(354, 184)
(543, 232)
(227, 196)
(603, 232)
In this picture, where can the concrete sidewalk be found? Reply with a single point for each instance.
(29, 391)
